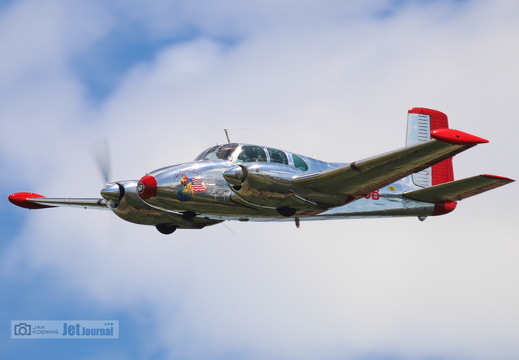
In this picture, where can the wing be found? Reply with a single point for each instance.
(364, 176)
(459, 190)
(35, 201)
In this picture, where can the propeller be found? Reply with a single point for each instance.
(101, 153)
(111, 192)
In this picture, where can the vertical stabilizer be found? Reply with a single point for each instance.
(420, 123)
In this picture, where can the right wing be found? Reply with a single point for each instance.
(362, 177)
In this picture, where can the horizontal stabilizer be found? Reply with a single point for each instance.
(458, 190)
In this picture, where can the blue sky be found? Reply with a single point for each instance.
(327, 78)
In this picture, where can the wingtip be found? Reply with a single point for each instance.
(502, 178)
(21, 199)
(456, 137)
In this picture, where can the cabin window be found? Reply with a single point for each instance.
(251, 153)
(278, 156)
(299, 163)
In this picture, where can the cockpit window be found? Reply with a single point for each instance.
(277, 156)
(203, 153)
(225, 152)
(219, 152)
(250, 153)
(299, 163)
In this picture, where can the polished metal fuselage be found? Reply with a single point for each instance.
(212, 190)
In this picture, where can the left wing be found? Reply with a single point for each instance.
(36, 201)
(362, 177)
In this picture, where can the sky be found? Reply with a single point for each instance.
(331, 79)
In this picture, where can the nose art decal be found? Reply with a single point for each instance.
(190, 183)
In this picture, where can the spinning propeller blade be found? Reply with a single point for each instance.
(101, 153)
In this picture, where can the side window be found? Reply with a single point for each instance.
(251, 154)
(299, 163)
(278, 156)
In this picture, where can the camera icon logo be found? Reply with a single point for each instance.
(22, 329)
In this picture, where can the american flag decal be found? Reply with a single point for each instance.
(198, 185)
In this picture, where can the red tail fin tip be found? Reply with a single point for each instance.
(444, 207)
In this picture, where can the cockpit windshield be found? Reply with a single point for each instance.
(253, 153)
(218, 152)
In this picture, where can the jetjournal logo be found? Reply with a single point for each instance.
(64, 329)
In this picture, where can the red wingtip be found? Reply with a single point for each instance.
(456, 137)
(20, 199)
(498, 177)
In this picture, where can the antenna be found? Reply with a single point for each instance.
(227, 134)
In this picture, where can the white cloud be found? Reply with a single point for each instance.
(336, 86)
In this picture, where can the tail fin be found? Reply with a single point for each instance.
(420, 123)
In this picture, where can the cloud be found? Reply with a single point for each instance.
(333, 79)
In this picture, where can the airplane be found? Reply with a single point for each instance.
(245, 182)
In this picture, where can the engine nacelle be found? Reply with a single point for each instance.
(268, 185)
(123, 199)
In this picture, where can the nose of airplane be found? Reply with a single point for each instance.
(147, 187)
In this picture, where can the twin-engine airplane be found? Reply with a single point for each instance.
(258, 183)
